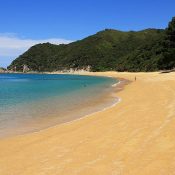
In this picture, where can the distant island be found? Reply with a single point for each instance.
(146, 50)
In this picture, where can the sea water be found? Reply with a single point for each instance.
(30, 102)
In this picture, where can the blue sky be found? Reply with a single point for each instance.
(24, 23)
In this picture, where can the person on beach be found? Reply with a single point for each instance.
(135, 78)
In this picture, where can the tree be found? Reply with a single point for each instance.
(171, 33)
(167, 60)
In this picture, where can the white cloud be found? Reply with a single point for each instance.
(13, 46)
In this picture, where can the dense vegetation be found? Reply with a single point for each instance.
(147, 50)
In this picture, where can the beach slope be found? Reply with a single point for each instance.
(134, 137)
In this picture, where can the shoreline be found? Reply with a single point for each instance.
(118, 100)
(136, 136)
(70, 119)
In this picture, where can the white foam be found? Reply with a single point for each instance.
(114, 85)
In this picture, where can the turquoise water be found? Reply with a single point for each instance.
(29, 102)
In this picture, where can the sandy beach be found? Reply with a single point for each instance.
(134, 137)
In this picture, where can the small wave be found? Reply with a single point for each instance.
(114, 85)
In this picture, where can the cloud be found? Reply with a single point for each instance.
(12, 46)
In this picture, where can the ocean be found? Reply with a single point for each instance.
(31, 102)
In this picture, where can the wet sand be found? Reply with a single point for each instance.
(136, 136)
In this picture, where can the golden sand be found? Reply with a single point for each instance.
(135, 137)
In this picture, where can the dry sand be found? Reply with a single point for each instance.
(135, 137)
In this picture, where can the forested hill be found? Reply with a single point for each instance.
(146, 50)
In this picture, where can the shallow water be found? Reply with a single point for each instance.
(30, 102)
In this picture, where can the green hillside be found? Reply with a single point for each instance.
(146, 50)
